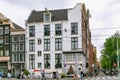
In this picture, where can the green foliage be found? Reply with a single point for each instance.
(108, 53)
(63, 75)
(26, 72)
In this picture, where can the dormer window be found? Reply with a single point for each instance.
(47, 17)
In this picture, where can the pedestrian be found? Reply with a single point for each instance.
(81, 73)
(8, 75)
(1, 74)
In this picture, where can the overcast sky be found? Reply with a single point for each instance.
(105, 14)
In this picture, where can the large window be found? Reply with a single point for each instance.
(74, 43)
(74, 28)
(58, 60)
(47, 61)
(58, 44)
(6, 40)
(47, 17)
(6, 51)
(31, 45)
(70, 58)
(14, 57)
(21, 38)
(21, 47)
(31, 31)
(58, 29)
(14, 47)
(1, 30)
(1, 40)
(46, 30)
(6, 29)
(14, 38)
(21, 57)
(46, 44)
(31, 61)
(1, 51)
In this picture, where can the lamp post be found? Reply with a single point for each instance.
(117, 51)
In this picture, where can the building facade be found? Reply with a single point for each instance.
(12, 46)
(54, 40)
(17, 50)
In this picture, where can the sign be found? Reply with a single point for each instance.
(114, 64)
(37, 70)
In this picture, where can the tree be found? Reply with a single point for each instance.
(108, 53)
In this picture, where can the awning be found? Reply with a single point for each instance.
(3, 59)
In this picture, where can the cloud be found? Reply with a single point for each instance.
(105, 13)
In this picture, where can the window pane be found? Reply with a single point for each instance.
(31, 31)
(47, 61)
(46, 30)
(46, 44)
(58, 60)
(74, 43)
(31, 61)
(58, 29)
(74, 28)
(31, 45)
(47, 17)
(58, 44)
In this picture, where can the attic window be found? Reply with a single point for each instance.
(47, 17)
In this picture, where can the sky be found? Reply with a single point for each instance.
(104, 21)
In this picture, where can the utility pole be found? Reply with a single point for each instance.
(117, 44)
(117, 51)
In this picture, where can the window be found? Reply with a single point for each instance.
(7, 40)
(47, 17)
(39, 53)
(1, 30)
(39, 65)
(31, 61)
(21, 38)
(58, 44)
(31, 45)
(21, 47)
(47, 61)
(1, 51)
(14, 38)
(21, 57)
(39, 41)
(58, 60)
(58, 29)
(14, 57)
(46, 30)
(14, 47)
(6, 29)
(74, 28)
(1, 40)
(79, 57)
(31, 31)
(46, 44)
(70, 57)
(6, 51)
(74, 43)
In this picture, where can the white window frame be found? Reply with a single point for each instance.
(46, 20)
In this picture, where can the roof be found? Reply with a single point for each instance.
(17, 27)
(57, 15)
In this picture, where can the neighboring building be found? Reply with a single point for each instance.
(17, 49)
(8, 30)
(57, 39)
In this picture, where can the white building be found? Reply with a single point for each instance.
(54, 40)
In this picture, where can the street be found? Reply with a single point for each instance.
(88, 78)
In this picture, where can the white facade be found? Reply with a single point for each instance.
(74, 16)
